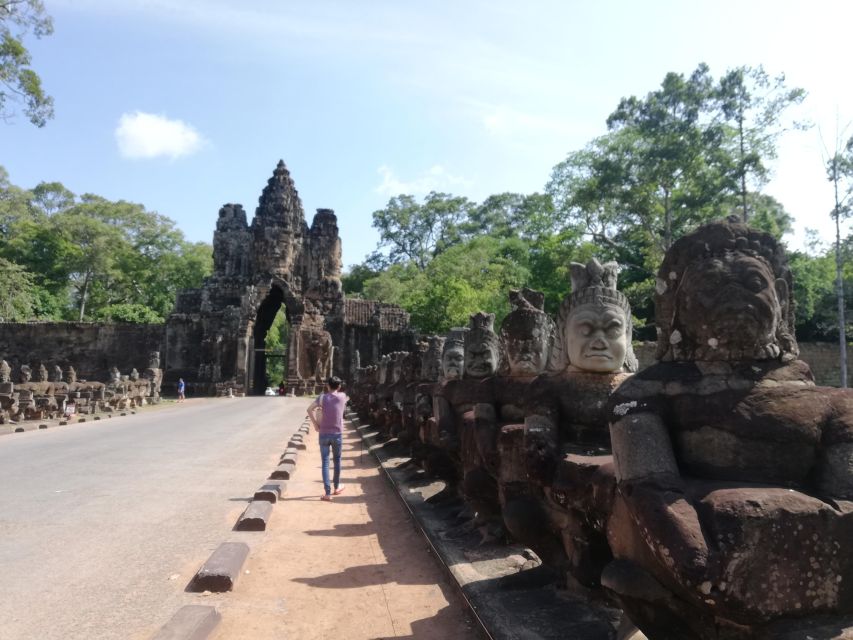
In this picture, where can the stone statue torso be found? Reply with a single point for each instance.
(760, 422)
(577, 403)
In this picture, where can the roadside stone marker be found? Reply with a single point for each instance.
(271, 492)
(192, 622)
(255, 516)
(220, 571)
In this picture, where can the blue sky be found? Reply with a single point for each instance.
(185, 105)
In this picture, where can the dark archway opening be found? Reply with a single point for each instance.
(271, 338)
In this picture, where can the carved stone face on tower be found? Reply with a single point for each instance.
(527, 334)
(453, 355)
(482, 347)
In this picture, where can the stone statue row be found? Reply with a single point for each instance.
(710, 496)
(60, 393)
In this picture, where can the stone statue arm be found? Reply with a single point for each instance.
(541, 446)
(650, 482)
(835, 464)
(445, 418)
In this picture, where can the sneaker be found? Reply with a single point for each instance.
(326, 497)
(338, 491)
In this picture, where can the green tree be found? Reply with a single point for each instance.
(814, 291)
(466, 278)
(675, 170)
(14, 205)
(17, 302)
(19, 83)
(353, 281)
(753, 106)
(128, 312)
(92, 257)
(277, 341)
(839, 171)
(412, 232)
(507, 215)
(51, 197)
(767, 213)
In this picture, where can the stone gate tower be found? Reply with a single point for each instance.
(215, 337)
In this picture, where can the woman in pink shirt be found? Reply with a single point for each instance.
(330, 426)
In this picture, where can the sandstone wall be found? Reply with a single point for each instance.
(91, 348)
(822, 357)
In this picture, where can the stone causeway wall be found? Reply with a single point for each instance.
(91, 348)
(822, 357)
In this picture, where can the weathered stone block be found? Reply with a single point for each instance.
(222, 569)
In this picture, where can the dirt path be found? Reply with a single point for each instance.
(354, 568)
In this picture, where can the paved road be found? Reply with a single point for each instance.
(102, 524)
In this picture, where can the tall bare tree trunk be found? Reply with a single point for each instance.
(742, 171)
(839, 290)
(83, 295)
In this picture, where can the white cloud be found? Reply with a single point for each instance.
(146, 135)
(436, 178)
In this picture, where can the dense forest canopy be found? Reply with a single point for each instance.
(69, 257)
(695, 149)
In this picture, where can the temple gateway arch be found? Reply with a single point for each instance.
(215, 337)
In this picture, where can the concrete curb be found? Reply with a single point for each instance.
(289, 458)
(222, 568)
(271, 492)
(192, 622)
(255, 516)
(283, 471)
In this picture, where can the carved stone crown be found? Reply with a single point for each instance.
(481, 321)
(455, 339)
(595, 283)
(526, 300)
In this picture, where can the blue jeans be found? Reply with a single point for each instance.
(333, 441)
